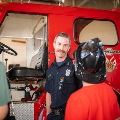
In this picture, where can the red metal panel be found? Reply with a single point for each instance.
(59, 10)
(39, 105)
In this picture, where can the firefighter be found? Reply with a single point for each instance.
(95, 100)
(60, 79)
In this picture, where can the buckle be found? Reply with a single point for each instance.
(57, 112)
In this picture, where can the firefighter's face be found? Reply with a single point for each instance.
(61, 47)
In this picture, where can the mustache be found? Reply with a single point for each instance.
(59, 50)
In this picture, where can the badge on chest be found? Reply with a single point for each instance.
(68, 72)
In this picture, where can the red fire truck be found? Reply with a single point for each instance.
(40, 24)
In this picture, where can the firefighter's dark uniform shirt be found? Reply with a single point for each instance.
(61, 82)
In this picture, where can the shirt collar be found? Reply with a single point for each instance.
(64, 62)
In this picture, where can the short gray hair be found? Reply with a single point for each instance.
(62, 34)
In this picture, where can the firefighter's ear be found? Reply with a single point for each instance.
(54, 44)
(69, 48)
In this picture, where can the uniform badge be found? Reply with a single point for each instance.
(67, 72)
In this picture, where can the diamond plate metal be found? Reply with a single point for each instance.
(23, 111)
